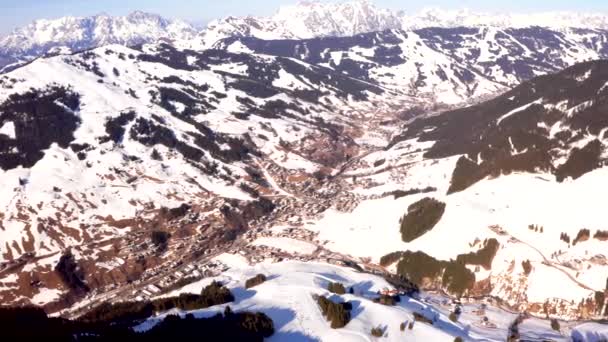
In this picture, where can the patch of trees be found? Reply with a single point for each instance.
(249, 190)
(379, 162)
(581, 161)
(422, 216)
(41, 117)
(582, 235)
(513, 334)
(338, 80)
(390, 258)
(155, 155)
(527, 266)
(422, 269)
(457, 278)
(601, 235)
(255, 281)
(257, 209)
(121, 313)
(482, 257)
(115, 127)
(257, 176)
(190, 99)
(206, 139)
(338, 314)
(401, 283)
(178, 80)
(402, 193)
(387, 300)
(171, 57)
(254, 88)
(87, 63)
(555, 324)
(564, 237)
(465, 174)
(242, 326)
(18, 325)
(175, 213)
(71, 273)
(377, 331)
(160, 239)
(337, 288)
(127, 312)
(416, 266)
(418, 317)
(149, 134)
(600, 298)
(32, 323)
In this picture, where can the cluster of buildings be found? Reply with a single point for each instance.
(191, 272)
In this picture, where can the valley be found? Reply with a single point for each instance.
(384, 180)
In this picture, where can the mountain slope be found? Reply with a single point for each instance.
(519, 177)
(102, 148)
(442, 65)
(305, 20)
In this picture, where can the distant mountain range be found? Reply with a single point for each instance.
(305, 20)
(309, 19)
(78, 33)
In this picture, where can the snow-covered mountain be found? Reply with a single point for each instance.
(79, 33)
(307, 19)
(287, 297)
(441, 65)
(310, 19)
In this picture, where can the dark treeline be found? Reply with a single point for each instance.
(114, 322)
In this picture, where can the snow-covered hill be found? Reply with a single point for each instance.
(79, 33)
(287, 298)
